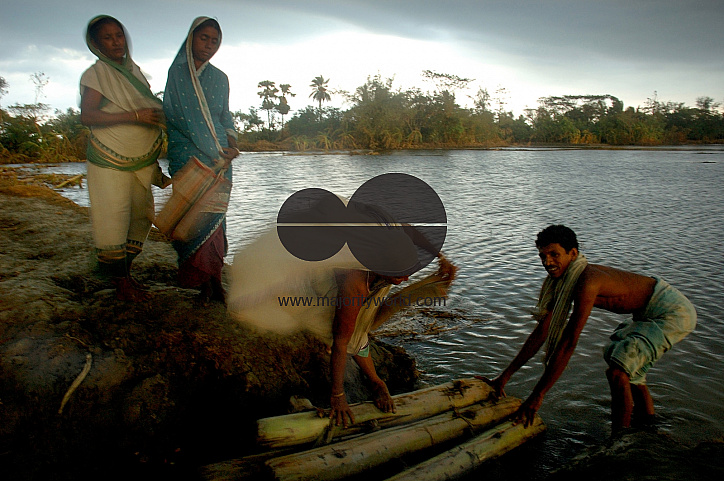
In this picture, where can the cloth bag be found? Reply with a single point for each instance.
(199, 193)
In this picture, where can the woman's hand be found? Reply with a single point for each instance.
(231, 152)
(341, 410)
(231, 140)
(148, 116)
(91, 113)
(228, 154)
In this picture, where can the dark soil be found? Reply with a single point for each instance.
(173, 384)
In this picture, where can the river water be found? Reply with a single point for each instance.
(652, 211)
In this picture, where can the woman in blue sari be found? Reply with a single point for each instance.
(196, 104)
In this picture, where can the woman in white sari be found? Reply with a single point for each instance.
(126, 137)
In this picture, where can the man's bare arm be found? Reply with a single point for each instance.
(584, 299)
(531, 346)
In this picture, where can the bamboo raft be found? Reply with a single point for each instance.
(306, 447)
(309, 427)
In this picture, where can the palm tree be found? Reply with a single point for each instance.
(268, 94)
(286, 90)
(319, 92)
(283, 106)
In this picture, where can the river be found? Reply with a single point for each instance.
(652, 211)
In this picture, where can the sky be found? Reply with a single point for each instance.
(632, 49)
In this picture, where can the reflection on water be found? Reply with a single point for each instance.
(651, 211)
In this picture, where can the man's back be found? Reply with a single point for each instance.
(617, 290)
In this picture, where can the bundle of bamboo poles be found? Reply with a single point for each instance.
(308, 427)
(424, 420)
(462, 459)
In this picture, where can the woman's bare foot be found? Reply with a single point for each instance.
(126, 291)
(139, 285)
(219, 293)
(207, 291)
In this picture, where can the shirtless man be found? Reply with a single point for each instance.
(662, 316)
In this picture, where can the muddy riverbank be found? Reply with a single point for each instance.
(172, 383)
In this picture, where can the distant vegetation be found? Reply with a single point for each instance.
(381, 117)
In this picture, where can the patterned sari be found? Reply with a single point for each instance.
(196, 105)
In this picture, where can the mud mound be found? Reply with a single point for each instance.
(169, 384)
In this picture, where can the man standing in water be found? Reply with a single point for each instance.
(662, 316)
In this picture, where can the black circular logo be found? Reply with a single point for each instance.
(394, 224)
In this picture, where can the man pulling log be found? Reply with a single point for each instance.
(662, 316)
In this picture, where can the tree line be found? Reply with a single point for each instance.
(31, 133)
(382, 117)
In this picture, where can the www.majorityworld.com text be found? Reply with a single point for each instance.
(323, 301)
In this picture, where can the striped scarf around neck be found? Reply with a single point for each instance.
(559, 294)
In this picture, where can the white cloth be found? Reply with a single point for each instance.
(264, 275)
(122, 205)
(129, 140)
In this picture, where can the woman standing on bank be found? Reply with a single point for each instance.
(196, 104)
(126, 137)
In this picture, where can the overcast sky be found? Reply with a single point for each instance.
(533, 49)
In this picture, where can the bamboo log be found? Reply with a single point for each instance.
(465, 457)
(308, 427)
(75, 178)
(246, 468)
(357, 455)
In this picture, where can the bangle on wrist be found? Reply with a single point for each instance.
(136, 112)
(338, 395)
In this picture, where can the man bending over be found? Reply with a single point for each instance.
(662, 316)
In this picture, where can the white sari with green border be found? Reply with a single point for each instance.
(126, 146)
